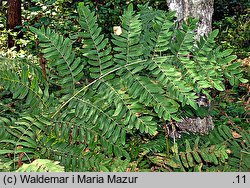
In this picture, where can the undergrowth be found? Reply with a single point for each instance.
(105, 109)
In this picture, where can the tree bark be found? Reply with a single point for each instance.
(201, 9)
(13, 20)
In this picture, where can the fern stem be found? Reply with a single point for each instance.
(166, 138)
(116, 69)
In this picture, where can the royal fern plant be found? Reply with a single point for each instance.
(93, 103)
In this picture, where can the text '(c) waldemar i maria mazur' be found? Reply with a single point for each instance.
(78, 179)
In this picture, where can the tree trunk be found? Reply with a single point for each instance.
(201, 9)
(13, 20)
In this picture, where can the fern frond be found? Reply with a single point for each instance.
(91, 36)
(155, 25)
(173, 80)
(36, 137)
(192, 159)
(184, 38)
(162, 27)
(56, 49)
(239, 147)
(25, 82)
(127, 44)
(96, 48)
(127, 111)
(93, 124)
(229, 68)
(130, 49)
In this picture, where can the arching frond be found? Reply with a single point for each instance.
(68, 68)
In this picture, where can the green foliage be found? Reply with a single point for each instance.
(96, 50)
(66, 70)
(225, 8)
(193, 159)
(89, 110)
(224, 149)
(115, 9)
(232, 18)
(238, 141)
(232, 109)
(24, 81)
